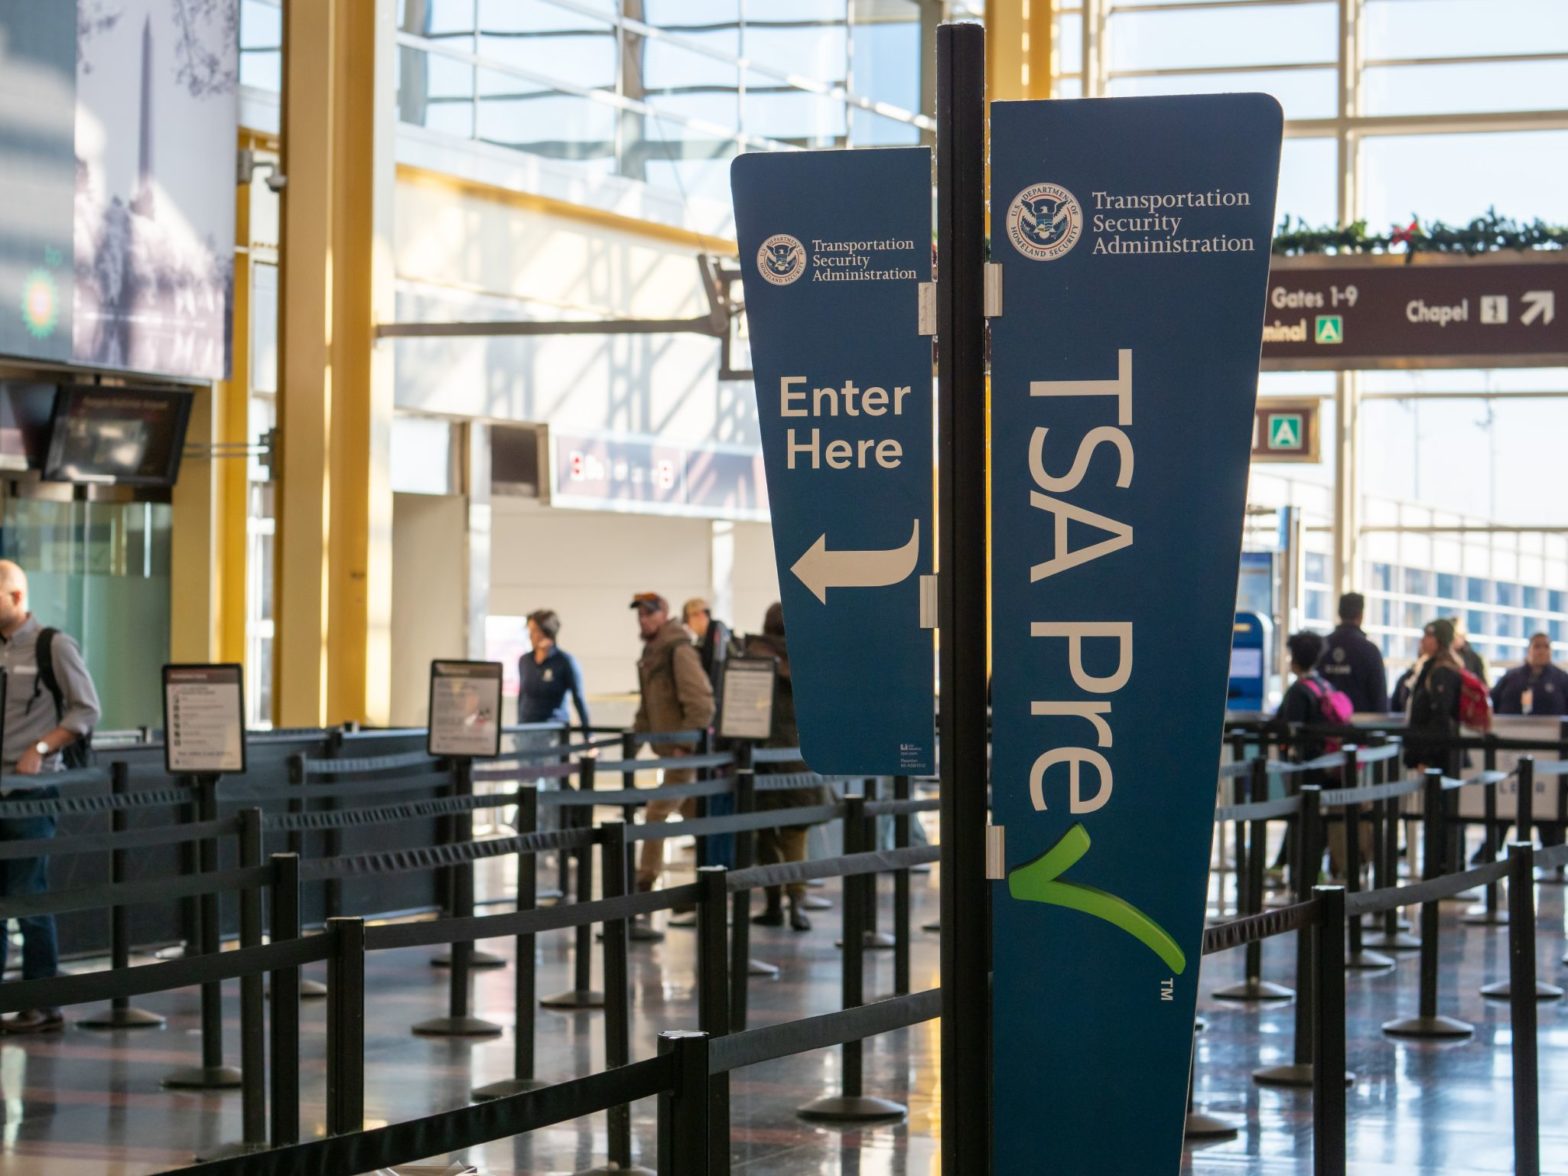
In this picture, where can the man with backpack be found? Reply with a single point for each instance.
(51, 708)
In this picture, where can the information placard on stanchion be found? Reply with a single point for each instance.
(747, 694)
(204, 719)
(465, 709)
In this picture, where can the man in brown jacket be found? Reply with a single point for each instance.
(676, 696)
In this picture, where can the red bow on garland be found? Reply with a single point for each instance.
(1405, 235)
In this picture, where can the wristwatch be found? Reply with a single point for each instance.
(43, 749)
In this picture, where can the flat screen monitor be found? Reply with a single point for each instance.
(26, 407)
(117, 436)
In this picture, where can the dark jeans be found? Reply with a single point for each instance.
(20, 877)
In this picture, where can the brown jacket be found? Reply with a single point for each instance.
(676, 693)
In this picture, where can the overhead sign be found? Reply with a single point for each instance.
(833, 248)
(602, 471)
(1134, 237)
(1286, 430)
(204, 719)
(1496, 310)
(465, 709)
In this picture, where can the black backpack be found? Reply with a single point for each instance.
(79, 752)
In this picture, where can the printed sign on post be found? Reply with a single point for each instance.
(834, 246)
(204, 719)
(747, 712)
(1134, 238)
(465, 709)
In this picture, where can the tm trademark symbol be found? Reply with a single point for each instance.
(1168, 989)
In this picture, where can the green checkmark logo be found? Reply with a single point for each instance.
(1040, 881)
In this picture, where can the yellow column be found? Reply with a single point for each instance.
(1018, 49)
(334, 401)
(208, 547)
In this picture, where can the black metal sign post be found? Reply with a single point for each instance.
(961, 522)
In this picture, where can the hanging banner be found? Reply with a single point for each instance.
(833, 248)
(1133, 236)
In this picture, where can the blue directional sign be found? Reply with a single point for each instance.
(833, 248)
(1133, 236)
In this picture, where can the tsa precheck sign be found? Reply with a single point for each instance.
(833, 248)
(1134, 239)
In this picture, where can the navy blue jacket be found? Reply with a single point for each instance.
(1353, 665)
(542, 688)
(1549, 692)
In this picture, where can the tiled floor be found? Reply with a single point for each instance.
(1415, 1108)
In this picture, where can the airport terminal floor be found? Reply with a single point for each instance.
(90, 1104)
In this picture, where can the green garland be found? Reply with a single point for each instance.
(1485, 234)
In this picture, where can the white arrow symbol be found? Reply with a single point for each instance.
(820, 569)
(1542, 304)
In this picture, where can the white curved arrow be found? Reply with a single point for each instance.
(820, 569)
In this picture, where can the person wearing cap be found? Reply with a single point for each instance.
(676, 696)
(548, 676)
(1353, 665)
(713, 637)
(1434, 700)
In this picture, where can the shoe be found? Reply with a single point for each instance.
(33, 1021)
(771, 917)
(798, 919)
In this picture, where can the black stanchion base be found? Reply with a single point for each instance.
(1254, 990)
(686, 920)
(505, 1088)
(1206, 1127)
(759, 968)
(123, 1019)
(204, 1078)
(457, 1027)
(1438, 1028)
(480, 959)
(815, 902)
(934, 926)
(312, 990)
(1503, 990)
(613, 1169)
(1481, 917)
(1295, 1074)
(549, 894)
(852, 1108)
(874, 941)
(232, 1151)
(575, 999)
(1399, 941)
(1199, 1024)
(1466, 896)
(1367, 961)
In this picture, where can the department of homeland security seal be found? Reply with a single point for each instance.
(782, 259)
(1044, 221)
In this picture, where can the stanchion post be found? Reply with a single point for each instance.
(1307, 860)
(745, 857)
(253, 1031)
(617, 991)
(1328, 997)
(901, 978)
(961, 507)
(120, 1014)
(346, 1027)
(1522, 1016)
(851, 1105)
(1526, 802)
(1427, 1023)
(1358, 956)
(1253, 986)
(713, 1007)
(684, 1129)
(285, 1003)
(581, 995)
(524, 977)
(1490, 914)
(212, 1074)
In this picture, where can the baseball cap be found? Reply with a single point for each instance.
(650, 602)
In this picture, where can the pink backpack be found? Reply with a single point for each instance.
(1333, 707)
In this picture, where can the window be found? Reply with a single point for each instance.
(1448, 585)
